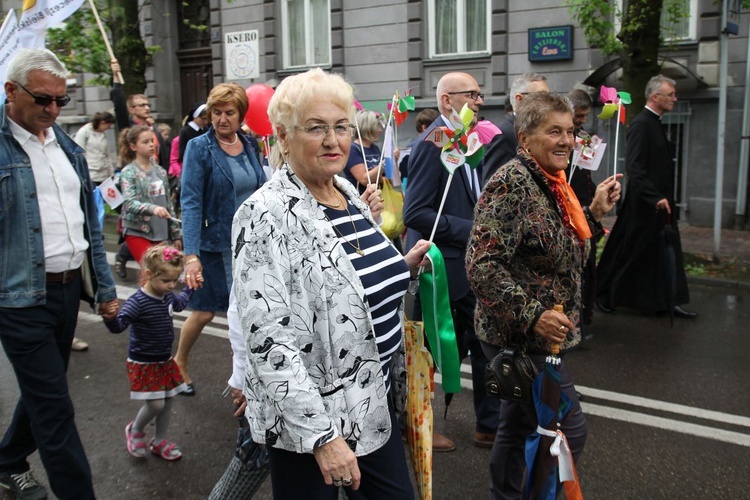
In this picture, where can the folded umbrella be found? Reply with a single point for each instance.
(419, 418)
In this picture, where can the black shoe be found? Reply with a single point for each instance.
(604, 308)
(189, 390)
(120, 268)
(682, 313)
(23, 485)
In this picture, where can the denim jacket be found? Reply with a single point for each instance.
(22, 267)
(207, 194)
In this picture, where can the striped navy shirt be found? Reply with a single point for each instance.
(383, 273)
(150, 321)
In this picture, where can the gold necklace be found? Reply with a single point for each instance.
(357, 248)
(335, 194)
(236, 138)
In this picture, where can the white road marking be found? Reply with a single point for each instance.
(220, 330)
(667, 424)
(651, 420)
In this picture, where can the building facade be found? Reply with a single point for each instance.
(399, 45)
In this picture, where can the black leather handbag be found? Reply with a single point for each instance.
(509, 376)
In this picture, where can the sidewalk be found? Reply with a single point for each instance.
(700, 240)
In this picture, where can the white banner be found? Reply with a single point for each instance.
(38, 15)
(9, 44)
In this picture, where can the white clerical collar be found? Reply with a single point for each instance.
(654, 112)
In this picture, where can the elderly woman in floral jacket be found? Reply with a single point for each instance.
(319, 289)
(526, 254)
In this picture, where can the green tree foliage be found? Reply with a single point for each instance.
(80, 45)
(638, 40)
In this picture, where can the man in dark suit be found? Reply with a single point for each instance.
(427, 181)
(632, 269)
(503, 147)
(584, 188)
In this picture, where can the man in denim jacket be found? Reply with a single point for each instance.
(52, 256)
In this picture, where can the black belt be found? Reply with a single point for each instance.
(63, 278)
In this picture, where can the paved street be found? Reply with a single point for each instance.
(668, 410)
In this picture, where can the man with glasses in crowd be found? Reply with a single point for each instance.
(584, 188)
(135, 110)
(631, 271)
(55, 258)
(427, 180)
(502, 149)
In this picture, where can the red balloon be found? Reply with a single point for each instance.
(258, 96)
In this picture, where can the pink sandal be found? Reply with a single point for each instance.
(136, 441)
(166, 450)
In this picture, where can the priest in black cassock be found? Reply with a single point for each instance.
(632, 270)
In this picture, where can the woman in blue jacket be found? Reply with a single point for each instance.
(220, 170)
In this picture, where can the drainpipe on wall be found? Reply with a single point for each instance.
(741, 207)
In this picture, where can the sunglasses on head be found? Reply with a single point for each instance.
(45, 100)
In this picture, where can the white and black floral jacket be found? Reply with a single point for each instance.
(313, 372)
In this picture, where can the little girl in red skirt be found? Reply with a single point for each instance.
(154, 376)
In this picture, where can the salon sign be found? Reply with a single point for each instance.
(554, 43)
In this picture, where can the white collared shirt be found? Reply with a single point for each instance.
(58, 192)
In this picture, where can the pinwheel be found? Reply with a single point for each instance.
(459, 146)
(613, 101)
(403, 106)
(587, 153)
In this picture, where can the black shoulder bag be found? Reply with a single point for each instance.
(509, 375)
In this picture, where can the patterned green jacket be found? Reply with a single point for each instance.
(139, 205)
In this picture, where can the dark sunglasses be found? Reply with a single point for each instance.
(45, 100)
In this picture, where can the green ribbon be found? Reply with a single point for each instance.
(438, 321)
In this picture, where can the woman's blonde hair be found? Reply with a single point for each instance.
(227, 93)
(294, 96)
(159, 258)
(369, 125)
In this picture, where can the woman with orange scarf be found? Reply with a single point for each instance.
(526, 254)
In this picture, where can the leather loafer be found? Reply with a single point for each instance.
(483, 440)
(604, 309)
(682, 313)
(441, 444)
(189, 390)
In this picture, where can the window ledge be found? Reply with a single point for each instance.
(301, 69)
(440, 60)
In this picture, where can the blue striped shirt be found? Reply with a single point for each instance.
(383, 273)
(150, 321)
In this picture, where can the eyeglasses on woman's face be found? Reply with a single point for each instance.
(321, 130)
(45, 100)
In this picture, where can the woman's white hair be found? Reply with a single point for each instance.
(295, 94)
(40, 59)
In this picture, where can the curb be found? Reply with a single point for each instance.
(718, 282)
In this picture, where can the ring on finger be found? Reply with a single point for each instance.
(562, 328)
(348, 482)
(338, 482)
